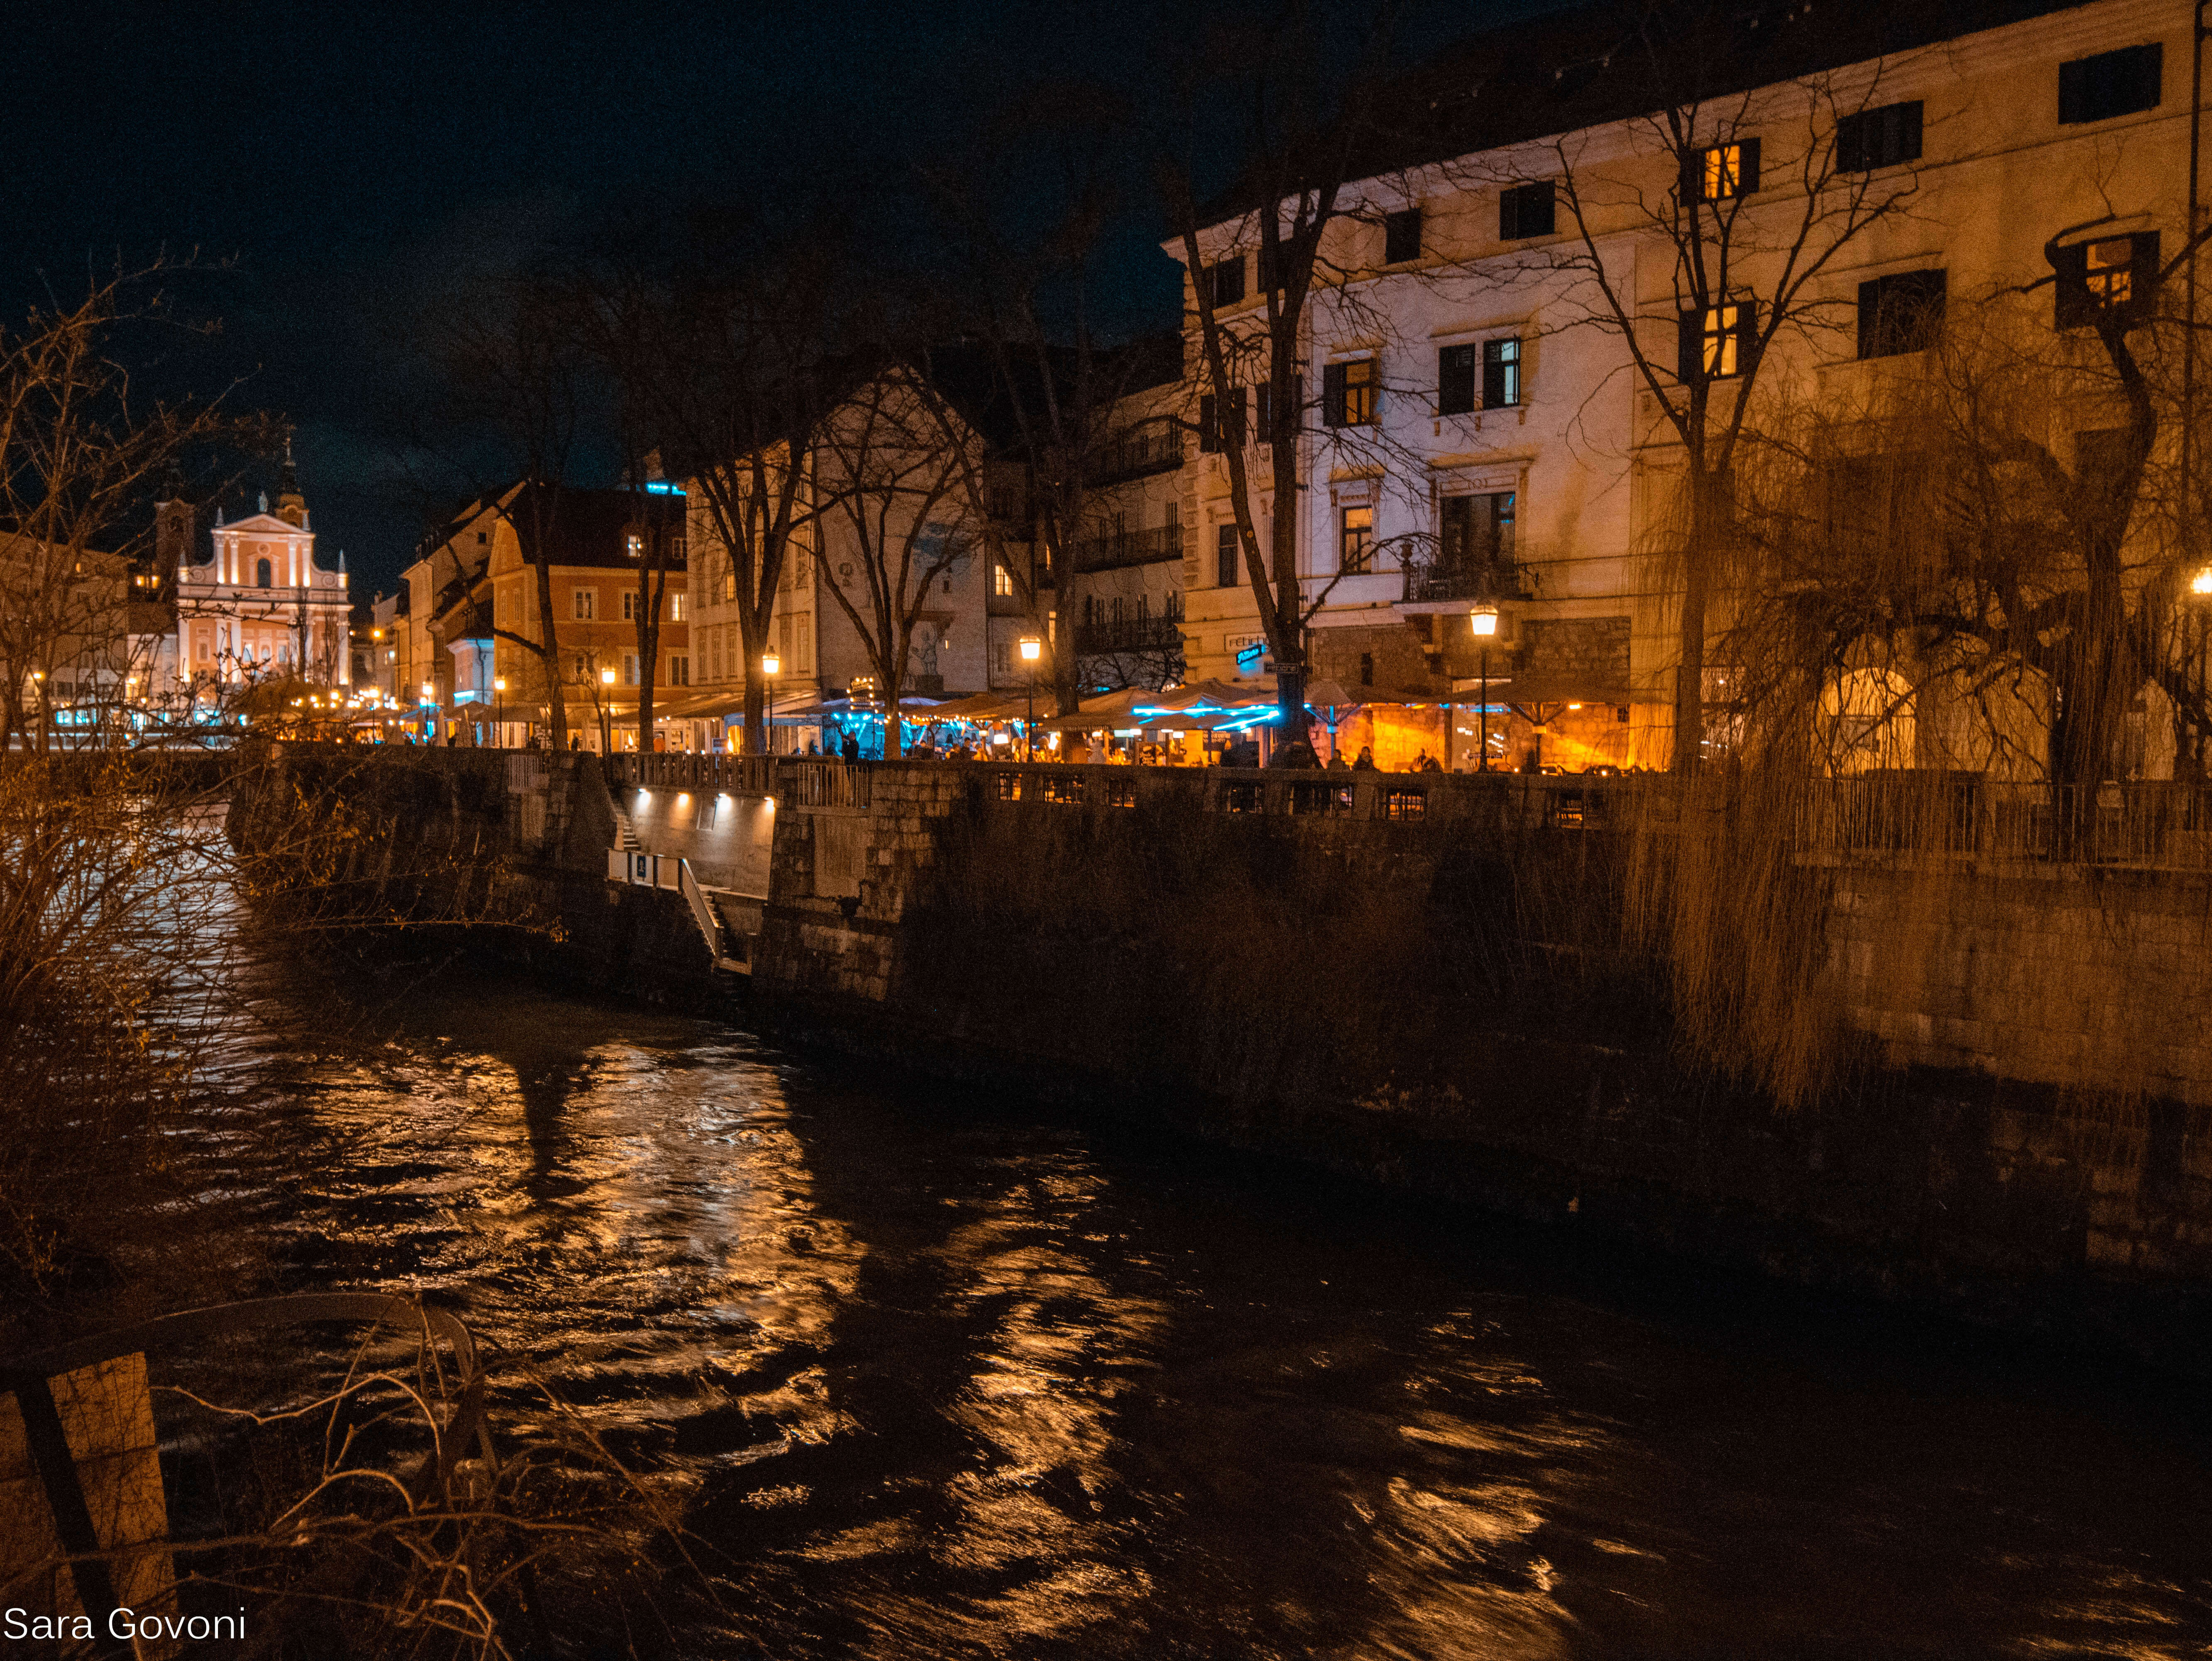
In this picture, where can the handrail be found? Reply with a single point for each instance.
(701, 913)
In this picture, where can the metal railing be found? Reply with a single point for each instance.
(1140, 453)
(1129, 548)
(695, 770)
(1436, 581)
(812, 783)
(1145, 634)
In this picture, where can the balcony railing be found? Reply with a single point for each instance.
(1141, 452)
(1161, 634)
(1129, 548)
(1495, 580)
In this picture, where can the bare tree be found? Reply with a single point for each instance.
(1304, 152)
(728, 369)
(79, 456)
(892, 463)
(513, 406)
(1752, 199)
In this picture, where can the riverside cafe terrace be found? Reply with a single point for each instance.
(1184, 726)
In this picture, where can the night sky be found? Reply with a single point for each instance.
(352, 159)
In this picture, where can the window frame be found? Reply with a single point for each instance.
(1339, 407)
(1396, 228)
(1459, 378)
(1228, 555)
(1226, 276)
(1697, 327)
(1355, 558)
(2097, 88)
(1502, 360)
(1865, 139)
(2075, 304)
(1705, 166)
(585, 604)
(1900, 312)
(1522, 209)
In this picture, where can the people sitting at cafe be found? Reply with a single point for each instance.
(1364, 762)
(1337, 762)
(1425, 762)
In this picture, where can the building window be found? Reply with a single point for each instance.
(1717, 342)
(1367, 668)
(1455, 381)
(1221, 424)
(630, 668)
(1902, 313)
(261, 573)
(1228, 557)
(483, 537)
(676, 551)
(633, 545)
(2109, 278)
(1867, 139)
(586, 603)
(1401, 236)
(630, 607)
(2111, 83)
(1525, 211)
(1501, 373)
(679, 669)
(1227, 279)
(1349, 392)
(1721, 173)
(1355, 540)
(1002, 582)
(676, 606)
(1477, 530)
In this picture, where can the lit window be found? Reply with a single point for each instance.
(1002, 582)
(2106, 277)
(635, 545)
(586, 603)
(1349, 392)
(676, 607)
(1720, 341)
(1356, 540)
(1721, 173)
(2109, 277)
(1717, 342)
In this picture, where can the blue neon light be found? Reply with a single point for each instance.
(661, 487)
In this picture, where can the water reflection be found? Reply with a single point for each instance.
(937, 1380)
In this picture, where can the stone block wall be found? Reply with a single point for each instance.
(2081, 977)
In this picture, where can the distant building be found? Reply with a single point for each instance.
(260, 606)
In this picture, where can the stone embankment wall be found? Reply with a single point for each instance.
(1426, 982)
(1444, 1002)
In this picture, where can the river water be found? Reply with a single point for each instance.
(937, 1374)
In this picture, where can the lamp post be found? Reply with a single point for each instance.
(771, 666)
(2200, 592)
(607, 726)
(1032, 650)
(499, 703)
(1482, 620)
(429, 721)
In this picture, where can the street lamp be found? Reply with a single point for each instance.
(771, 666)
(1482, 620)
(1032, 650)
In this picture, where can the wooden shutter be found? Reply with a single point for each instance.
(1747, 334)
(1332, 394)
(1690, 348)
(1455, 381)
(1748, 167)
(2072, 265)
(1692, 186)
(1870, 319)
(1209, 426)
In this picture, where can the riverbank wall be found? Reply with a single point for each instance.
(1431, 984)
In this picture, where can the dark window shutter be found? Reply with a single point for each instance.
(1295, 414)
(1401, 236)
(1854, 150)
(1748, 179)
(1747, 334)
(1690, 346)
(1692, 185)
(1263, 414)
(2111, 83)
(2143, 271)
(1870, 319)
(1539, 208)
(2073, 92)
(2072, 266)
(1907, 132)
(1232, 419)
(1209, 428)
(1332, 394)
(1455, 381)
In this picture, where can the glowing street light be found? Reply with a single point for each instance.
(771, 666)
(1483, 621)
(2202, 582)
(1032, 648)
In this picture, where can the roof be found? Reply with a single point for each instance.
(1593, 64)
(588, 527)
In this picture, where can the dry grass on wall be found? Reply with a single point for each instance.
(1718, 899)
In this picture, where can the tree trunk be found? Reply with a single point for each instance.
(1690, 673)
(557, 706)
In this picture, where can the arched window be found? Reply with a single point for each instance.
(261, 573)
